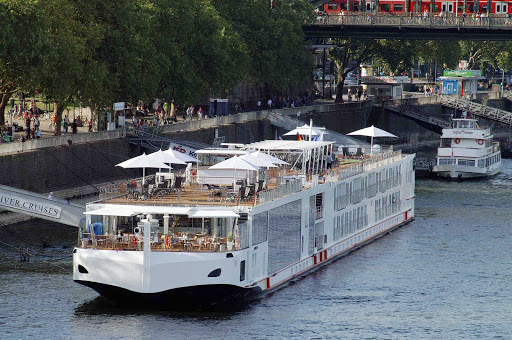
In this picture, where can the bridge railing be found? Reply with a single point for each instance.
(416, 20)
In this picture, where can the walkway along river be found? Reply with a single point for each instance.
(446, 275)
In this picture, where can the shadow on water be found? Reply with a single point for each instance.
(103, 306)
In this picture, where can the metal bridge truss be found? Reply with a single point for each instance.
(484, 111)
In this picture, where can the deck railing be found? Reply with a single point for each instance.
(416, 20)
(122, 188)
(292, 186)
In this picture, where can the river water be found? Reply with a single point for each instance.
(446, 275)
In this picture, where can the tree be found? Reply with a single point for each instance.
(20, 60)
(280, 57)
(348, 55)
(198, 50)
(396, 56)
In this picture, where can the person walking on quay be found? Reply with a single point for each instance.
(50, 195)
(37, 123)
(74, 127)
(359, 93)
(349, 94)
(189, 113)
(258, 105)
(90, 125)
(200, 113)
(269, 104)
(65, 125)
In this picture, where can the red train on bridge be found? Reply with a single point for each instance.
(415, 6)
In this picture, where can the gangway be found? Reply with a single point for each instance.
(155, 141)
(412, 112)
(484, 111)
(38, 205)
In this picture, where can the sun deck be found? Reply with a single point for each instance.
(191, 212)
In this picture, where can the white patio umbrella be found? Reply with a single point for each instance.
(251, 158)
(166, 157)
(372, 132)
(143, 161)
(235, 163)
(305, 130)
(182, 156)
(268, 157)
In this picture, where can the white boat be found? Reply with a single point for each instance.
(203, 243)
(467, 151)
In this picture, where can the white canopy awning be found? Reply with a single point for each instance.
(212, 213)
(111, 211)
(132, 210)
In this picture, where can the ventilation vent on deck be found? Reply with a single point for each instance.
(82, 270)
(215, 273)
(243, 217)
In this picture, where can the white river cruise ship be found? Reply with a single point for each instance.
(467, 151)
(216, 234)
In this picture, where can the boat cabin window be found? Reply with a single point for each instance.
(446, 142)
(463, 124)
(446, 161)
(466, 162)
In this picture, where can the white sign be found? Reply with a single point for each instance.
(183, 149)
(18, 203)
(119, 106)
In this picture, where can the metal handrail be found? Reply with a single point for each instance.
(415, 20)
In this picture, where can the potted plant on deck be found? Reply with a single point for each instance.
(230, 241)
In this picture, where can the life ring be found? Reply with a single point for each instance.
(457, 140)
(168, 241)
(121, 189)
(481, 142)
(133, 241)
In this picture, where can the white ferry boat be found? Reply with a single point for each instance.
(467, 151)
(218, 238)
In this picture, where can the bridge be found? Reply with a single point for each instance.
(477, 109)
(361, 25)
(38, 205)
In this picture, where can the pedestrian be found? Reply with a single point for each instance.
(189, 113)
(37, 123)
(359, 93)
(269, 103)
(258, 105)
(38, 133)
(64, 126)
(74, 127)
(50, 196)
(349, 94)
(90, 125)
(200, 113)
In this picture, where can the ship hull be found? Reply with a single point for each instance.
(178, 298)
(464, 172)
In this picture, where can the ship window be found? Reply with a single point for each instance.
(284, 240)
(332, 7)
(446, 142)
(462, 162)
(446, 161)
(259, 228)
(481, 163)
(398, 7)
(242, 271)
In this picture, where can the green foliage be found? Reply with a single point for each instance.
(279, 55)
